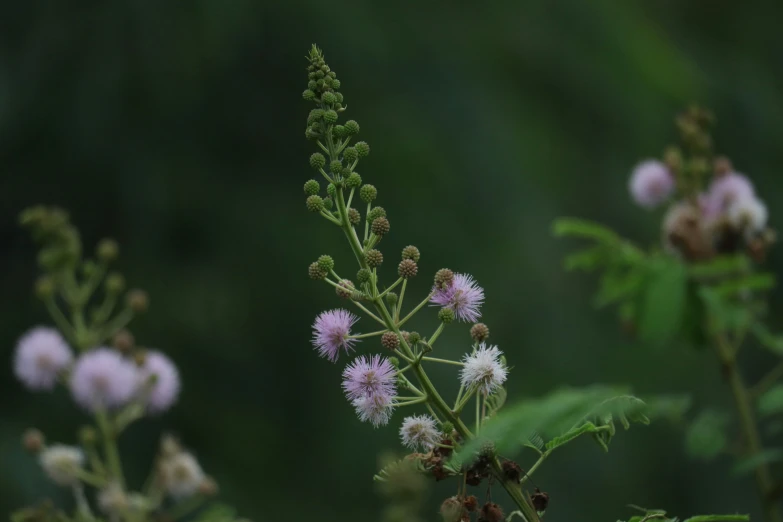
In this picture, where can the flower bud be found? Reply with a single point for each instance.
(312, 187)
(115, 283)
(446, 315)
(443, 277)
(328, 203)
(362, 148)
(447, 428)
(491, 512)
(338, 131)
(471, 502)
(335, 83)
(451, 510)
(722, 166)
(479, 332)
(326, 263)
(33, 440)
(312, 134)
(315, 203)
(350, 154)
(308, 94)
(407, 267)
(331, 189)
(137, 300)
(390, 341)
(380, 226)
(414, 337)
(394, 362)
(336, 166)
(375, 213)
(351, 127)
(411, 252)
(312, 85)
(107, 250)
(368, 193)
(353, 181)
(314, 116)
(316, 272)
(44, 287)
(346, 289)
(328, 97)
(374, 258)
(330, 117)
(123, 341)
(391, 298)
(354, 217)
(363, 275)
(88, 436)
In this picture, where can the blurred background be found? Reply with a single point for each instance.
(178, 128)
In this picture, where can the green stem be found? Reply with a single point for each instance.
(365, 310)
(110, 447)
(413, 312)
(414, 401)
(350, 198)
(478, 415)
(366, 222)
(119, 322)
(515, 492)
(767, 381)
(399, 303)
(330, 217)
(392, 287)
(435, 336)
(371, 334)
(444, 361)
(60, 319)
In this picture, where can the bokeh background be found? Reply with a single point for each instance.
(178, 128)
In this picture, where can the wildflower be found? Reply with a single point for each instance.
(369, 377)
(651, 183)
(419, 431)
(462, 295)
(62, 463)
(159, 379)
(331, 331)
(102, 378)
(484, 370)
(182, 474)
(112, 499)
(748, 214)
(41, 354)
(376, 409)
(727, 189)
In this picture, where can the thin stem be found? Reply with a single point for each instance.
(767, 381)
(90, 478)
(392, 287)
(413, 312)
(366, 222)
(444, 361)
(350, 198)
(399, 303)
(435, 336)
(365, 310)
(330, 217)
(433, 413)
(371, 334)
(414, 401)
(110, 448)
(478, 416)
(515, 492)
(119, 322)
(60, 319)
(465, 400)
(459, 396)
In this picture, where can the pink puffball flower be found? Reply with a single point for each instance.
(159, 382)
(727, 189)
(463, 295)
(102, 378)
(376, 409)
(369, 376)
(651, 183)
(41, 355)
(331, 332)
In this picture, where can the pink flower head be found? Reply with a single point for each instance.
(102, 378)
(159, 381)
(331, 331)
(651, 183)
(463, 295)
(41, 354)
(369, 376)
(727, 189)
(376, 409)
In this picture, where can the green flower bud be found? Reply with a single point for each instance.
(108, 250)
(308, 95)
(353, 181)
(330, 117)
(316, 272)
(354, 217)
(336, 166)
(339, 131)
(315, 203)
(447, 428)
(319, 74)
(374, 258)
(368, 193)
(328, 81)
(443, 277)
(446, 315)
(376, 213)
(363, 275)
(326, 263)
(411, 252)
(312, 76)
(137, 300)
(115, 283)
(479, 332)
(414, 337)
(394, 362)
(335, 83)
(317, 160)
(328, 203)
(352, 128)
(380, 226)
(339, 97)
(312, 187)
(314, 116)
(312, 135)
(312, 85)
(325, 68)
(331, 190)
(391, 298)
(362, 148)
(350, 154)
(407, 267)
(390, 341)
(44, 287)
(346, 289)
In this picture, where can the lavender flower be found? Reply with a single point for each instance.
(367, 376)
(331, 331)
(727, 189)
(376, 409)
(651, 184)
(159, 381)
(464, 296)
(419, 431)
(484, 370)
(103, 379)
(62, 463)
(41, 354)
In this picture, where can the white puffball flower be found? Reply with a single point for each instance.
(484, 370)
(62, 463)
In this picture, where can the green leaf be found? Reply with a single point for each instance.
(567, 437)
(398, 466)
(772, 401)
(719, 518)
(720, 267)
(753, 282)
(768, 340)
(725, 313)
(749, 464)
(496, 401)
(572, 227)
(535, 442)
(587, 260)
(663, 300)
(705, 438)
(669, 407)
(618, 286)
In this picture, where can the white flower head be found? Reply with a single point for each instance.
(484, 370)
(62, 463)
(182, 475)
(419, 431)
(748, 214)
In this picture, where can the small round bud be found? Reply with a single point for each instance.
(451, 510)
(672, 157)
(308, 94)
(140, 358)
(331, 190)
(317, 160)
(335, 83)
(479, 332)
(336, 166)
(407, 268)
(471, 502)
(115, 283)
(312, 85)
(362, 148)
(123, 341)
(540, 500)
(328, 97)
(414, 337)
(446, 315)
(376, 213)
(339, 131)
(443, 277)
(312, 187)
(487, 449)
(491, 512)
(391, 298)
(351, 127)
(394, 362)
(368, 193)
(137, 300)
(406, 336)
(33, 440)
(353, 181)
(311, 134)
(316, 272)
(107, 250)
(350, 154)
(326, 263)
(339, 104)
(363, 275)
(390, 341)
(87, 435)
(315, 203)
(411, 252)
(315, 115)
(44, 287)
(374, 258)
(447, 428)
(328, 81)
(330, 117)
(346, 289)
(328, 203)
(354, 217)
(380, 226)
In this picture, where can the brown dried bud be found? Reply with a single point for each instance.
(374, 258)
(123, 341)
(407, 268)
(512, 471)
(390, 341)
(540, 500)
(33, 440)
(354, 217)
(443, 277)
(479, 332)
(346, 289)
(471, 503)
(722, 166)
(138, 301)
(451, 510)
(491, 512)
(380, 226)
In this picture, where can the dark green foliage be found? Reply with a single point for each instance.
(706, 435)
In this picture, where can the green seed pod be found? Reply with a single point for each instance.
(376, 213)
(374, 258)
(380, 226)
(368, 193)
(308, 95)
(315, 203)
(446, 315)
(394, 362)
(350, 154)
(335, 83)
(407, 267)
(390, 341)
(411, 252)
(363, 149)
(316, 272)
(317, 160)
(312, 187)
(330, 117)
(331, 190)
(353, 181)
(391, 298)
(354, 217)
(328, 203)
(336, 166)
(326, 263)
(352, 128)
(363, 275)
(414, 337)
